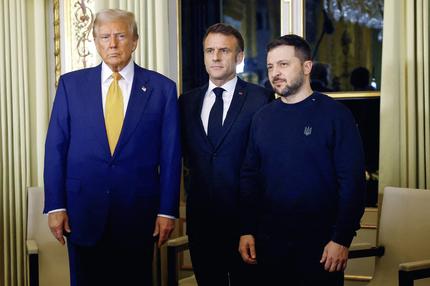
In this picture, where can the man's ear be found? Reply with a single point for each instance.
(307, 67)
(135, 44)
(239, 57)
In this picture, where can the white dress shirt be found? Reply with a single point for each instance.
(210, 97)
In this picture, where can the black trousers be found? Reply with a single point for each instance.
(295, 263)
(110, 263)
(217, 262)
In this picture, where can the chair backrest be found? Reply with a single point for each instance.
(53, 259)
(404, 231)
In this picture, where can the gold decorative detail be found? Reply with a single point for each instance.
(83, 24)
(354, 94)
(57, 49)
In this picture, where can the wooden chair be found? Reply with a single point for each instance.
(174, 248)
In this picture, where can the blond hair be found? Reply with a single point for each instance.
(111, 15)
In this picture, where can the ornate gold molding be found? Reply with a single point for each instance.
(354, 94)
(83, 18)
(73, 49)
(57, 44)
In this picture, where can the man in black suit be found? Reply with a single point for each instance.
(215, 125)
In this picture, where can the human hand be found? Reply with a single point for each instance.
(163, 228)
(334, 257)
(58, 222)
(247, 249)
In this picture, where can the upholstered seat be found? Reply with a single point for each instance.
(47, 258)
(404, 239)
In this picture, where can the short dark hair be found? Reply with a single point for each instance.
(227, 30)
(301, 46)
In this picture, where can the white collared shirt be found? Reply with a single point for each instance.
(209, 100)
(125, 83)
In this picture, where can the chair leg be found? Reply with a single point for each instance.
(172, 267)
(405, 279)
(34, 269)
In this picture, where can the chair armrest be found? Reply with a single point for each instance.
(360, 246)
(174, 246)
(410, 271)
(178, 242)
(360, 250)
(32, 247)
(415, 265)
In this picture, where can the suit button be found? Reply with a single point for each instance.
(108, 191)
(214, 155)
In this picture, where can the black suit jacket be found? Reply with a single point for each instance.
(214, 171)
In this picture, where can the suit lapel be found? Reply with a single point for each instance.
(95, 108)
(237, 102)
(198, 111)
(139, 95)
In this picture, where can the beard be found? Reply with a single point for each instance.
(290, 88)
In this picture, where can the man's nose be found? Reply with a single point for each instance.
(216, 56)
(112, 41)
(274, 71)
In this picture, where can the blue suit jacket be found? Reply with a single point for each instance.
(126, 190)
(214, 171)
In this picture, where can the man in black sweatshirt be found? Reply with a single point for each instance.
(302, 181)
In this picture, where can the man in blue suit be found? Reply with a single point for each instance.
(112, 162)
(215, 123)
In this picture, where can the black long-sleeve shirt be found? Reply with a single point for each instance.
(304, 170)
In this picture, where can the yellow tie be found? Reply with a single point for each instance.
(114, 113)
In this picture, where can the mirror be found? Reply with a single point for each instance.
(258, 22)
(346, 39)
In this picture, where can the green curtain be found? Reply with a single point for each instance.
(14, 141)
(23, 120)
(405, 118)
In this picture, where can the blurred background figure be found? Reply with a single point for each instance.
(320, 77)
(360, 79)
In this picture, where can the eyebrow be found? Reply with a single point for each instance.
(217, 48)
(108, 34)
(279, 62)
